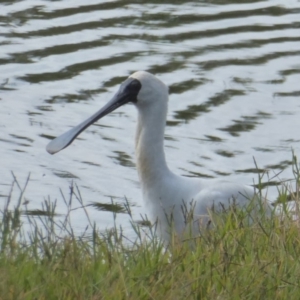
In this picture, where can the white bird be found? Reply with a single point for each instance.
(166, 194)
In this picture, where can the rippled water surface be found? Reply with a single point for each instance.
(233, 68)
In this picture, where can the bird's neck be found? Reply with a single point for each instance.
(151, 163)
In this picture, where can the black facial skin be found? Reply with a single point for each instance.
(130, 87)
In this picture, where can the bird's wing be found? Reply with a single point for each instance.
(222, 195)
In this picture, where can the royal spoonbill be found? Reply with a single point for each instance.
(165, 193)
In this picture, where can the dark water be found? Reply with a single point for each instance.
(233, 68)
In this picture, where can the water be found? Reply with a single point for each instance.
(233, 68)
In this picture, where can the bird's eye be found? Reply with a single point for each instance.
(135, 85)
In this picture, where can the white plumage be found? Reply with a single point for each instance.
(164, 192)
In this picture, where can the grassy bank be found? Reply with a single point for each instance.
(232, 261)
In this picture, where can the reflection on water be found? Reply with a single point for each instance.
(247, 123)
(233, 68)
(111, 207)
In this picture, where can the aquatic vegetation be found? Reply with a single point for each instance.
(42, 258)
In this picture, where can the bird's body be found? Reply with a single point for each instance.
(167, 196)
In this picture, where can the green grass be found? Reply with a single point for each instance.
(232, 261)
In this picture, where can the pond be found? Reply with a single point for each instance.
(233, 68)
